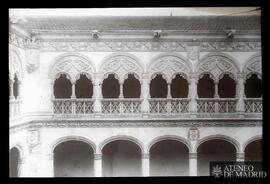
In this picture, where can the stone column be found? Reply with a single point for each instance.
(121, 95)
(216, 90)
(46, 166)
(145, 94)
(97, 94)
(73, 95)
(11, 95)
(192, 164)
(240, 94)
(169, 98)
(193, 94)
(240, 157)
(169, 91)
(145, 164)
(98, 165)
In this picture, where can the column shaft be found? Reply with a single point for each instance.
(145, 94)
(73, 95)
(145, 165)
(98, 165)
(192, 164)
(193, 94)
(241, 95)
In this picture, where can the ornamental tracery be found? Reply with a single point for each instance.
(253, 66)
(72, 65)
(169, 66)
(121, 65)
(217, 65)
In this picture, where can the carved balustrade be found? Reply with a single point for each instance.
(121, 106)
(169, 105)
(216, 105)
(163, 106)
(73, 106)
(253, 105)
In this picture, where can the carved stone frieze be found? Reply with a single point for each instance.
(148, 46)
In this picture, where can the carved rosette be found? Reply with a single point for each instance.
(73, 65)
(121, 66)
(254, 65)
(169, 66)
(216, 66)
(193, 134)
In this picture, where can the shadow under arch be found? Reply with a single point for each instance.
(231, 140)
(169, 137)
(250, 140)
(118, 138)
(71, 138)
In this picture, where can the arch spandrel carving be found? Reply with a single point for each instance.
(73, 65)
(216, 65)
(169, 65)
(121, 65)
(15, 65)
(253, 65)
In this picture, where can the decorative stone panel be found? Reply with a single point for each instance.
(73, 65)
(254, 65)
(121, 65)
(216, 65)
(169, 66)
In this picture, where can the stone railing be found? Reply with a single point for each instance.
(121, 106)
(216, 105)
(161, 106)
(253, 105)
(167, 106)
(158, 106)
(14, 108)
(73, 106)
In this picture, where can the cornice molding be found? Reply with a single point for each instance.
(149, 46)
(139, 45)
(134, 123)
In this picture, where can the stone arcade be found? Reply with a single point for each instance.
(133, 96)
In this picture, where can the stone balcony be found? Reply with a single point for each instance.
(157, 107)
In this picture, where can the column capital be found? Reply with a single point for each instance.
(97, 156)
(145, 155)
(193, 155)
(145, 75)
(193, 75)
(240, 155)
